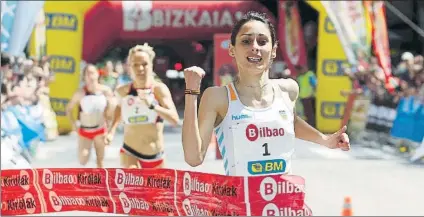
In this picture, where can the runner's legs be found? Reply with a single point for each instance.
(84, 149)
(99, 146)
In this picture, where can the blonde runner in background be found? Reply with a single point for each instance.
(143, 105)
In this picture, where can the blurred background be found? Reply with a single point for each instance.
(358, 63)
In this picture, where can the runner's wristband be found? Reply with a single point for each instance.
(192, 92)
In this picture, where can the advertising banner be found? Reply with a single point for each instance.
(224, 68)
(37, 45)
(156, 192)
(290, 35)
(64, 25)
(8, 11)
(23, 25)
(200, 19)
(331, 59)
(380, 35)
(409, 120)
(352, 27)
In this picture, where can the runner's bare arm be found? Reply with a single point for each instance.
(198, 129)
(166, 108)
(74, 101)
(119, 94)
(107, 91)
(302, 129)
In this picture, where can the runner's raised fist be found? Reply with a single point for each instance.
(193, 77)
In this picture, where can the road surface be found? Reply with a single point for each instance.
(378, 183)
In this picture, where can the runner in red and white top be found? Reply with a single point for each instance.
(93, 100)
(253, 117)
(143, 105)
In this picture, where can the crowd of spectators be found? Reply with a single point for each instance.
(25, 90)
(408, 78)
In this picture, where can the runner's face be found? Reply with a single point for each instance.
(91, 75)
(253, 49)
(141, 66)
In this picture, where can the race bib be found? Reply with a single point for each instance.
(262, 148)
(135, 111)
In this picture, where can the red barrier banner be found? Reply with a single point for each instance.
(290, 35)
(150, 193)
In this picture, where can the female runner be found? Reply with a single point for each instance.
(253, 117)
(92, 100)
(143, 105)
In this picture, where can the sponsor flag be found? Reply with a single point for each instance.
(290, 35)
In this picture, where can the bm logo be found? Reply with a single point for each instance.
(62, 64)
(59, 105)
(61, 21)
(329, 26)
(332, 110)
(332, 67)
(266, 167)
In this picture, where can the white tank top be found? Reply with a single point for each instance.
(135, 111)
(256, 142)
(93, 103)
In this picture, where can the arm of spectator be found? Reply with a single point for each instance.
(107, 91)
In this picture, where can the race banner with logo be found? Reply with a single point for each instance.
(8, 11)
(290, 34)
(352, 27)
(156, 192)
(25, 18)
(224, 68)
(380, 35)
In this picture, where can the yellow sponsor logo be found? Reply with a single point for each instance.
(267, 166)
(138, 119)
(329, 26)
(62, 64)
(332, 110)
(333, 67)
(59, 105)
(61, 21)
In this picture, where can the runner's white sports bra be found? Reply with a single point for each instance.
(93, 102)
(135, 111)
(256, 142)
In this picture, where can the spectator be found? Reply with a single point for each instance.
(124, 75)
(110, 77)
(307, 84)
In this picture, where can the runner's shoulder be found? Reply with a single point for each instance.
(123, 90)
(215, 96)
(160, 87)
(288, 85)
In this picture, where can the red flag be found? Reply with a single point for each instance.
(380, 36)
(290, 35)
